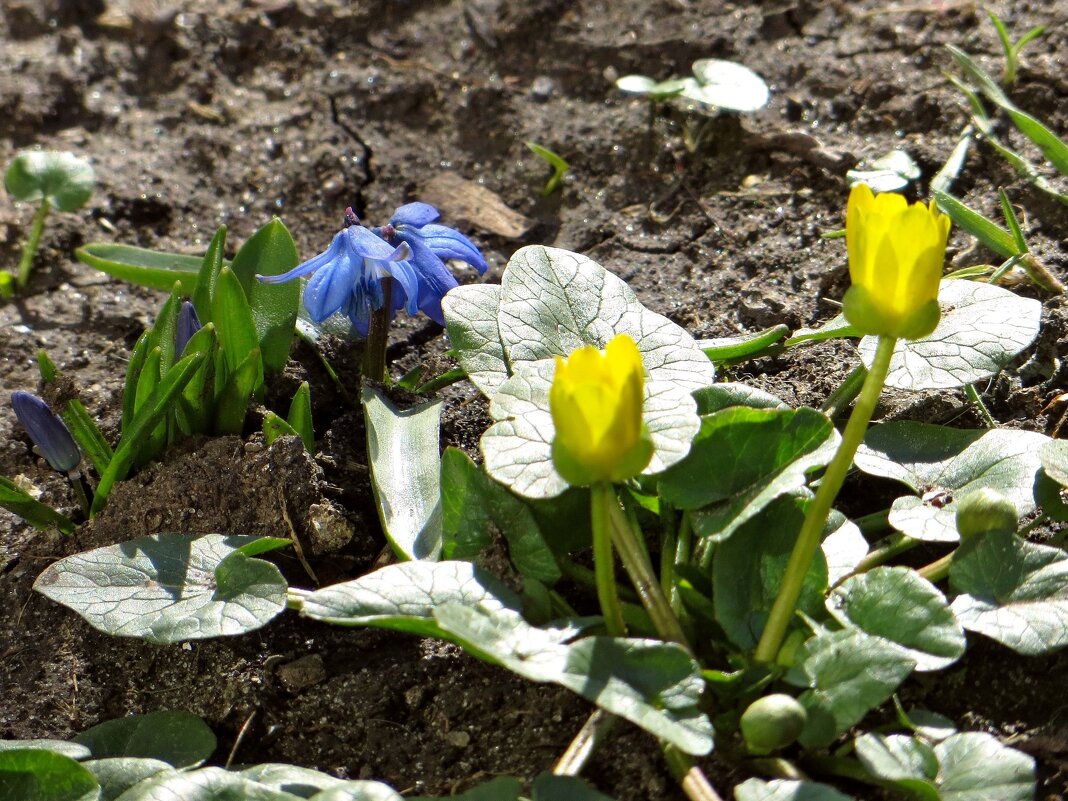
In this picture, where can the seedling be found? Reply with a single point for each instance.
(51, 178)
(559, 167)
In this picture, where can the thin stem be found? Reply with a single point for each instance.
(972, 394)
(808, 540)
(669, 543)
(295, 598)
(582, 575)
(938, 569)
(636, 562)
(895, 544)
(873, 523)
(30, 250)
(683, 553)
(374, 354)
(690, 777)
(582, 746)
(602, 502)
(838, 401)
(778, 768)
(77, 483)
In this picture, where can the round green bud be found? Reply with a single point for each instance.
(983, 511)
(772, 722)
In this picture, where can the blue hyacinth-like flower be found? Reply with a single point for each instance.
(410, 249)
(47, 431)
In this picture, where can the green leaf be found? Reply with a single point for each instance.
(899, 605)
(849, 673)
(501, 788)
(904, 761)
(270, 251)
(207, 276)
(943, 465)
(118, 774)
(559, 167)
(178, 738)
(313, 784)
(742, 460)
(548, 787)
(476, 511)
(727, 85)
(64, 180)
(986, 231)
(722, 396)
(165, 588)
(133, 375)
(982, 329)
(275, 427)
(232, 316)
(37, 514)
(471, 322)
(835, 328)
(300, 416)
(155, 408)
(976, 767)
(403, 449)
(552, 302)
(787, 790)
(748, 570)
(654, 685)
(61, 747)
(1053, 456)
(148, 268)
(231, 405)
(1013, 591)
(42, 775)
(843, 548)
(205, 784)
(403, 596)
(737, 349)
(195, 409)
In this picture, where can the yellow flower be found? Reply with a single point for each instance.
(596, 404)
(896, 252)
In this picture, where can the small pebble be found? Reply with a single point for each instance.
(301, 673)
(458, 738)
(542, 88)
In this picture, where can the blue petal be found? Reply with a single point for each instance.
(330, 289)
(434, 280)
(311, 265)
(414, 214)
(363, 242)
(451, 244)
(47, 431)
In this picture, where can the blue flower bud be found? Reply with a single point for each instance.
(47, 431)
(188, 324)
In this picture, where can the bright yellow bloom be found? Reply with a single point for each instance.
(896, 253)
(596, 404)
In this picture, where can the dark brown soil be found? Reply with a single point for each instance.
(215, 112)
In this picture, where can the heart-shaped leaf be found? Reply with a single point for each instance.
(28, 774)
(63, 179)
(169, 587)
(944, 465)
(904, 761)
(974, 766)
(983, 327)
(116, 775)
(787, 790)
(180, 739)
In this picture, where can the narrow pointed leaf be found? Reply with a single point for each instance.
(207, 274)
(148, 268)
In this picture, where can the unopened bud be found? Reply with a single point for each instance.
(772, 722)
(47, 431)
(983, 511)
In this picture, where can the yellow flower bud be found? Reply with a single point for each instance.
(896, 253)
(596, 404)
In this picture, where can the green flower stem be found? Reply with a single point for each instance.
(602, 501)
(938, 569)
(808, 540)
(874, 523)
(636, 562)
(690, 777)
(895, 544)
(683, 554)
(77, 483)
(582, 575)
(30, 250)
(374, 354)
(583, 745)
(972, 394)
(838, 401)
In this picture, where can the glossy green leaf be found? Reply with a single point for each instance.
(270, 251)
(231, 405)
(61, 747)
(748, 570)
(982, 329)
(653, 684)
(1013, 591)
(403, 596)
(233, 320)
(742, 460)
(300, 416)
(177, 738)
(403, 450)
(29, 774)
(275, 427)
(974, 766)
(195, 407)
(148, 268)
(64, 180)
(156, 406)
(899, 605)
(907, 763)
(849, 673)
(116, 775)
(205, 784)
(985, 230)
(787, 790)
(37, 514)
(133, 374)
(476, 511)
(943, 465)
(207, 276)
(1053, 457)
(501, 788)
(168, 588)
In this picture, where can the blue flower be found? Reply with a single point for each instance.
(410, 249)
(47, 431)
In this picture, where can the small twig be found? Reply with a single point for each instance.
(583, 745)
(240, 736)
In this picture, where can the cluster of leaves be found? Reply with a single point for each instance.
(721, 503)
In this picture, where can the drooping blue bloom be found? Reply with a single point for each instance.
(47, 431)
(410, 249)
(188, 324)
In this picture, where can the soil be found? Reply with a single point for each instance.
(215, 112)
